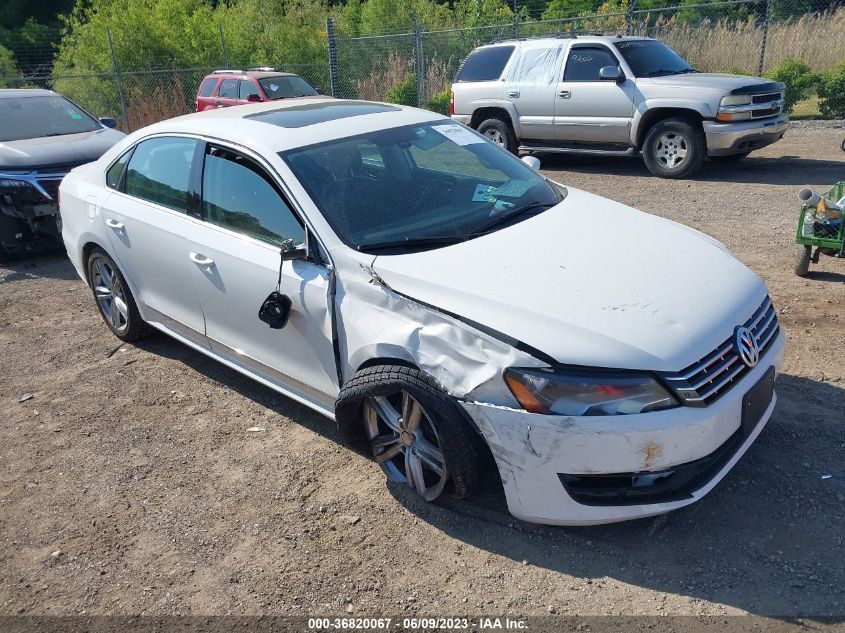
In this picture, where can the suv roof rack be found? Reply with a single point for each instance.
(265, 69)
(562, 35)
(230, 71)
(241, 71)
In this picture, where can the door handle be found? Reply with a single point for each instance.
(114, 224)
(201, 260)
(564, 94)
(513, 93)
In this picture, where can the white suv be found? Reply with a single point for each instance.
(437, 297)
(614, 96)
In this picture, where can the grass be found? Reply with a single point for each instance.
(806, 109)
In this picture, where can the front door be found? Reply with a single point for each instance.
(147, 220)
(588, 108)
(237, 257)
(531, 88)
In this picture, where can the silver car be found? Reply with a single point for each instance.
(614, 96)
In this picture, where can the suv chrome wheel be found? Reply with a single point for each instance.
(110, 294)
(671, 149)
(405, 443)
(495, 135)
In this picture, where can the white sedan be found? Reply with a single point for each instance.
(437, 297)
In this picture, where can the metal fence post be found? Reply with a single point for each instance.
(629, 16)
(515, 18)
(223, 47)
(419, 66)
(117, 80)
(332, 56)
(765, 37)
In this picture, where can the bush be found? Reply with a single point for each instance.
(832, 93)
(798, 79)
(440, 102)
(403, 93)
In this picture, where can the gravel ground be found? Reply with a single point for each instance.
(130, 484)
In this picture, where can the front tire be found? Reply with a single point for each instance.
(412, 429)
(499, 132)
(674, 148)
(803, 255)
(114, 299)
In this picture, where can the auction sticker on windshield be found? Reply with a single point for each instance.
(457, 134)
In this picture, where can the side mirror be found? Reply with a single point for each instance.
(291, 253)
(108, 121)
(254, 98)
(611, 73)
(532, 161)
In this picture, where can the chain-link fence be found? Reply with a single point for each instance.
(738, 36)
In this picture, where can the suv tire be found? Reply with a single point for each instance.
(674, 148)
(393, 390)
(500, 132)
(114, 299)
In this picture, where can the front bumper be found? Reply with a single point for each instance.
(724, 139)
(532, 451)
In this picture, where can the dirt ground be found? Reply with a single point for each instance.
(130, 484)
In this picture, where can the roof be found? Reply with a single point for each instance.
(276, 126)
(257, 74)
(585, 38)
(8, 93)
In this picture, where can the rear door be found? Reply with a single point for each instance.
(531, 88)
(227, 93)
(147, 220)
(237, 248)
(588, 108)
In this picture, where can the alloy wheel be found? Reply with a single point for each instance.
(671, 149)
(495, 135)
(111, 297)
(405, 443)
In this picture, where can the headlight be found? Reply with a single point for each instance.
(735, 100)
(586, 393)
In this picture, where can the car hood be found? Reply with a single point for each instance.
(590, 282)
(711, 81)
(68, 149)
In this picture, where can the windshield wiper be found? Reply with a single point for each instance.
(667, 71)
(511, 214)
(413, 242)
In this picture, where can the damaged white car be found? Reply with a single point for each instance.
(437, 297)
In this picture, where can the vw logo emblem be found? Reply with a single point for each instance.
(746, 346)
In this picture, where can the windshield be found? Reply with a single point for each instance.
(39, 116)
(418, 186)
(650, 58)
(286, 87)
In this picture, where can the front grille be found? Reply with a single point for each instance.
(759, 114)
(704, 381)
(769, 96)
(51, 186)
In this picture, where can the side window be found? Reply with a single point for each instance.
(114, 176)
(207, 87)
(248, 88)
(537, 65)
(228, 89)
(485, 64)
(237, 194)
(584, 63)
(159, 171)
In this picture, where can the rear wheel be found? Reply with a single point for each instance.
(730, 158)
(802, 259)
(114, 299)
(411, 429)
(499, 131)
(674, 148)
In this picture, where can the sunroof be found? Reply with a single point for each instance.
(313, 113)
